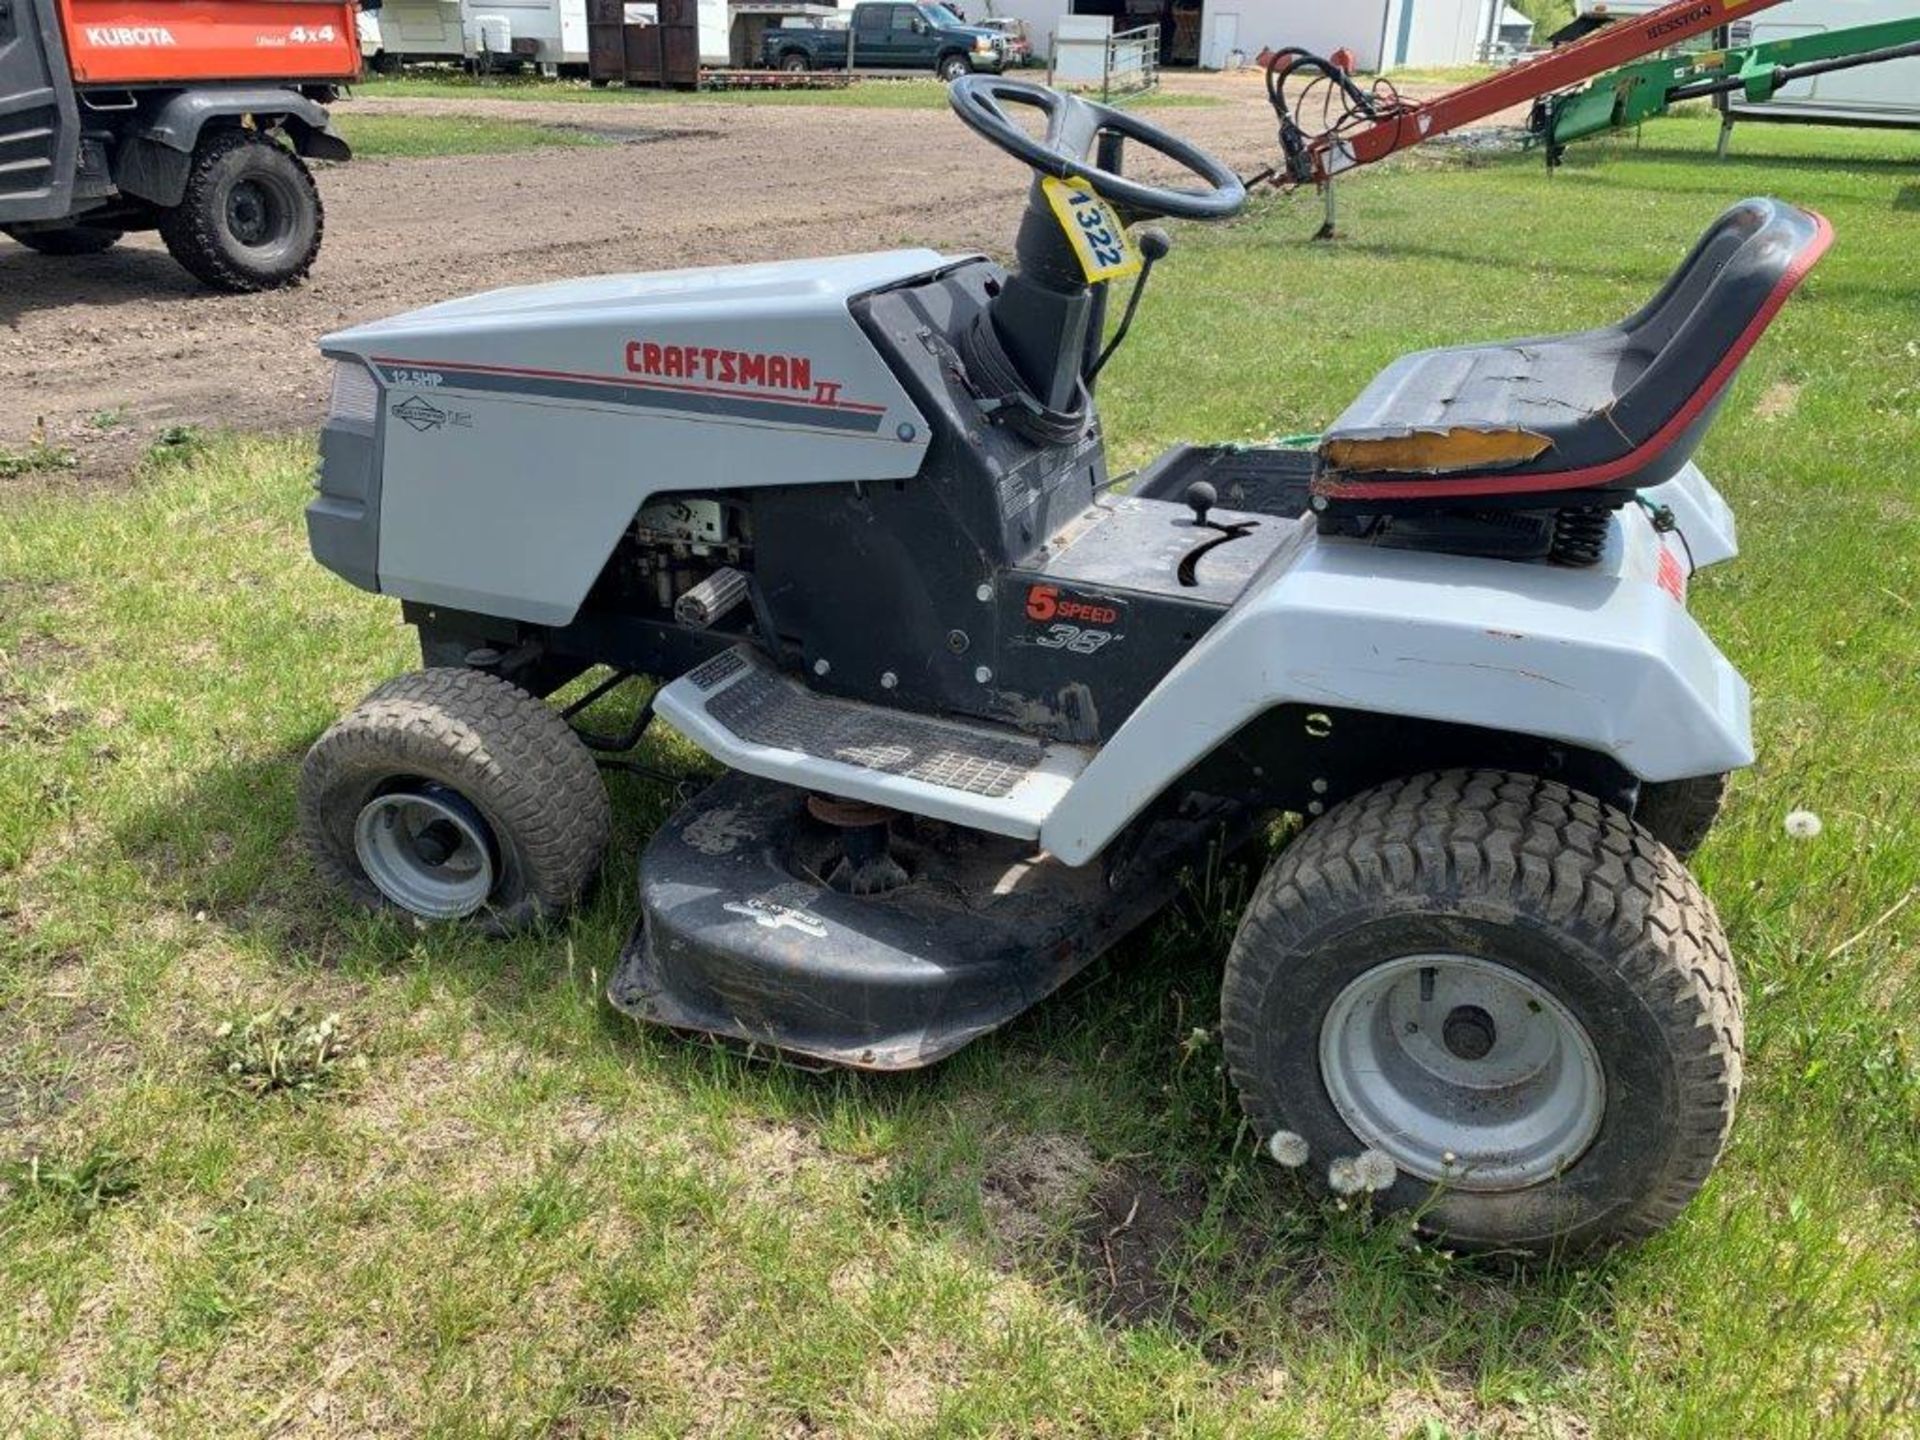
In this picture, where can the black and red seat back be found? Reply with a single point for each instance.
(1578, 420)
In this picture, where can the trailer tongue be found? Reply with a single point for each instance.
(1365, 125)
(1374, 124)
(1638, 92)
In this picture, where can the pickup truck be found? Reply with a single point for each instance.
(890, 36)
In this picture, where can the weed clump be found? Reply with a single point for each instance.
(178, 445)
(284, 1049)
(39, 458)
(76, 1189)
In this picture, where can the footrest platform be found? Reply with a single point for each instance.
(753, 718)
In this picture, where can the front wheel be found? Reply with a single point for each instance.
(794, 64)
(68, 239)
(250, 218)
(1494, 1002)
(452, 795)
(952, 67)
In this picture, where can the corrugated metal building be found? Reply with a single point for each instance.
(1382, 34)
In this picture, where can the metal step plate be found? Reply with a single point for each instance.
(753, 718)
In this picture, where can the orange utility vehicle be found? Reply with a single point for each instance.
(190, 117)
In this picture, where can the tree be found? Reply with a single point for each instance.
(1547, 15)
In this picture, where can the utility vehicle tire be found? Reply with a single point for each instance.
(494, 778)
(1458, 951)
(69, 239)
(250, 218)
(951, 67)
(1680, 814)
(795, 63)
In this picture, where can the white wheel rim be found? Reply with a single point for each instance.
(1463, 1070)
(426, 850)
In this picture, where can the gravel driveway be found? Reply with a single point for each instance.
(109, 350)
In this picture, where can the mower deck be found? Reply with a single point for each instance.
(741, 937)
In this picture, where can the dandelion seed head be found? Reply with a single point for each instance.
(1343, 1176)
(1804, 825)
(1376, 1170)
(1288, 1149)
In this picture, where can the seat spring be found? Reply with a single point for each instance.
(1579, 535)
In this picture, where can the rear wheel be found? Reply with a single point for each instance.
(1680, 814)
(1496, 1003)
(794, 63)
(250, 218)
(452, 795)
(68, 239)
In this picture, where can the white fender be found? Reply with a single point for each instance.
(1606, 658)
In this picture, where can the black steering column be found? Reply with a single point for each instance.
(1042, 316)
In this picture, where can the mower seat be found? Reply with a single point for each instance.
(1585, 419)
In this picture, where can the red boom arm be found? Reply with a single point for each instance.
(1399, 128)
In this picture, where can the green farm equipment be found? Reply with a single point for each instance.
(1648, 88)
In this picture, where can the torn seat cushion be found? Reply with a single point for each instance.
(1620, 408)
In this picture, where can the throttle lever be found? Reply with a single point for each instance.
(1154, 245)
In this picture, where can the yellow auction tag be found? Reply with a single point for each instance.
(1092, 229)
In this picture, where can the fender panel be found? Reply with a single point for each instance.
(178, 121)
(1606, 659)
(1700, 515)
(148, 170)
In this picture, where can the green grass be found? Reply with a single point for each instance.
(1439, 74)
(36, 458)
(373, 136)
(517, 1214)
(877, 94)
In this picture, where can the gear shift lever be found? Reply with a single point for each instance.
(1201, 497)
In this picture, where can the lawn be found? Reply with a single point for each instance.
(484, 1204)
(373, 135)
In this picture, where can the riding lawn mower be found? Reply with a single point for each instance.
(981, 706)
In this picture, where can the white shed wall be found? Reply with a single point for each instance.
(1440, 32)
(1321, 28)
(1436, 32)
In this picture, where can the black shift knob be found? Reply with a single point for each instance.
(1201, 497)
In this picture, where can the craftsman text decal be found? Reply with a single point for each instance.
(780, 393)
(747, 369)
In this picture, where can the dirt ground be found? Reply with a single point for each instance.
(103, 354)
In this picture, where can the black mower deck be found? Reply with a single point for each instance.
(742, 937)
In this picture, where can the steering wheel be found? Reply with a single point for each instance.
(1072, 126)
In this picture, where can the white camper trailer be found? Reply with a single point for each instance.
(546, 33)
(1885, 94)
